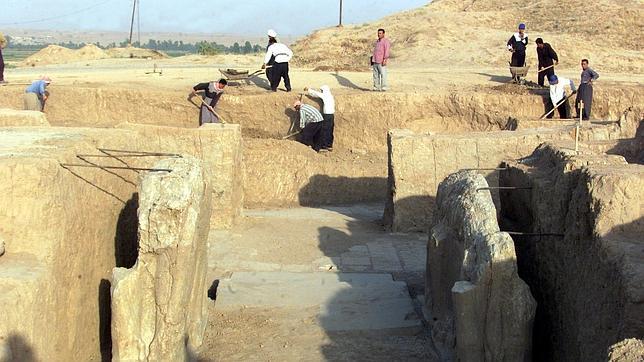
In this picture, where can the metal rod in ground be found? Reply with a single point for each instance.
(118, 167)
(139, 152)
(485, 169)
(504, 188)
(532, 234)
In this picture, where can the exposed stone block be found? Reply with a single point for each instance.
(159, 306)
(476, 302)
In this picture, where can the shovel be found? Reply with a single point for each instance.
(212, 110)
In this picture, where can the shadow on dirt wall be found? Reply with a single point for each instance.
(631, 149)
(328, 190)
(577, 284)
(365, 337)
(16, 348)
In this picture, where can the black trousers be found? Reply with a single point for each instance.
(545, 75)
(311, 135)
(1, 66)
(584, 93)
(327, 130)
(279, 71)
(518, 59)
(563, 109)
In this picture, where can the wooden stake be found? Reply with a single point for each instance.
(581, 107)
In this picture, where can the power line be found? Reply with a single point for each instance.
(59, 16)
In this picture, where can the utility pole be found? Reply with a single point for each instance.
(340, 24)
(132, 23)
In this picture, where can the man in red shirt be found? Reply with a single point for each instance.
(379, 61)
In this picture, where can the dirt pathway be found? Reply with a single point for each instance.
(316, 284)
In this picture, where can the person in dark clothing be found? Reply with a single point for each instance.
(585, 94)
(3, 44)
(517, 45)
(547, 58)
(311, 123)
(212, 92)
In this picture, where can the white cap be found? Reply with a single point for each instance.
(272, 33)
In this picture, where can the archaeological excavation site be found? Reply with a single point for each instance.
(450, 222)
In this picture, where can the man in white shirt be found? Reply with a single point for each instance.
(328, 113)
(282, 55)
(558, 95)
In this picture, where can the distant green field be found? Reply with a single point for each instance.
(13, 55)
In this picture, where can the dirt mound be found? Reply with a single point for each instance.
(54, 54)
(132, 52)
(466, 33)
(91, 52)
(50, 55)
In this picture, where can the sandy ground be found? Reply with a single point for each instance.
(184, 72)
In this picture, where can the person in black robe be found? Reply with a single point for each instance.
(517, 45)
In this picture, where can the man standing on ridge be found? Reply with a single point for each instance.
(517, 45)
(272, 35)
(282, 55)
(585, 94)
(379, 61)
(547, 59)
(3, 44)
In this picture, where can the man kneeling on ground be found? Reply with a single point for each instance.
(328, 113)
(311, 125)
(36, 94)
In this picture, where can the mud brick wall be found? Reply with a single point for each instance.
(419, 162)
(66, 228)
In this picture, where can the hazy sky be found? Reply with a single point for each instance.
(253, 17)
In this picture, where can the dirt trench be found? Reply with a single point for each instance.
(282, 172)
(580, 255)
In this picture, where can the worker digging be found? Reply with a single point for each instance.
(36, 94)
(211, 93)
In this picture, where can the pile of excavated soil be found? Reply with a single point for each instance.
(132, 52)
(468, 33)
(54, 54)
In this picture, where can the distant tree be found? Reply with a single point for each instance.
(248, 48)
(205, 48)
(236, 49)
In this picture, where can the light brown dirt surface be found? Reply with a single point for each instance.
(465, 33)
(448, 76)
(55, 54)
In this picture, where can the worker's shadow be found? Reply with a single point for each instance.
(345, 82)
(497, 78)
(260, 82)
